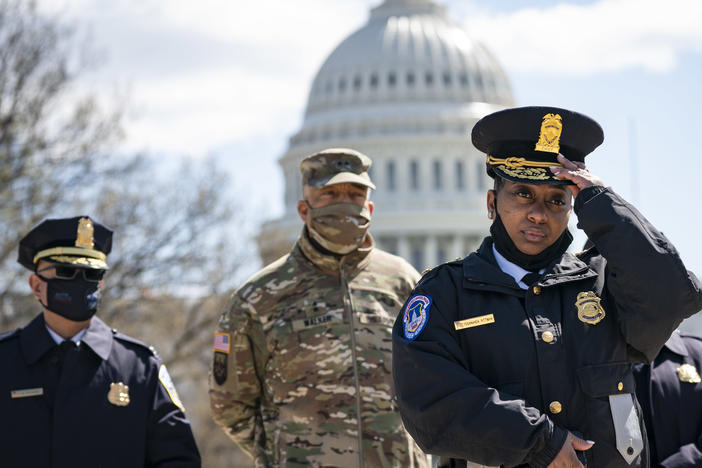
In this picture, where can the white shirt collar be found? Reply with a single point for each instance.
(58, 339)
(515, 271)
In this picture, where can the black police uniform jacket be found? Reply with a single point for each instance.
(483, 393)
(672, 404)
(71, 422)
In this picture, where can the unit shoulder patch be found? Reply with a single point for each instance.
(165, 378)
(415, 316)
(219, 368)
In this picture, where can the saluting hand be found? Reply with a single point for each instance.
(577, 173)
(567, 458)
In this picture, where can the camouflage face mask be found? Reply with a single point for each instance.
(341, 227)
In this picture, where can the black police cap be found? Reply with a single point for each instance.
(75, 241)
(521, 143)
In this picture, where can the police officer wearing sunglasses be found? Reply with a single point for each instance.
(73, 392)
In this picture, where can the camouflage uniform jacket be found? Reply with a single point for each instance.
(308, 379)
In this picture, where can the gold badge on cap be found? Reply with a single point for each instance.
(118, 394)
(550, 135)
(688, 373)
(589, 309)
(84, 236)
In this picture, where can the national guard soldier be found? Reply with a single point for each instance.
(301, 374)
(520, 354)
(670, 393)
(75, 393)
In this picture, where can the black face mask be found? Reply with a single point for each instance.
(75, 299)
(506, 247)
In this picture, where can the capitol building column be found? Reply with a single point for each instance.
(430, 252)
(456, 247)
(403, 247)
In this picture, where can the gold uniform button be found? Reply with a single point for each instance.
(620, 386)
(547, 336)
(555, 407)
(536, 290)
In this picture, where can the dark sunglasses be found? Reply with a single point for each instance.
(69, 272)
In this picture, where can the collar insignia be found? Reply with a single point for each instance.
(84, 236)
(688, 374)
(550, 134)
(118, 394)
(589, 309)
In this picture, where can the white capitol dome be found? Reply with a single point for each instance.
(405, 89)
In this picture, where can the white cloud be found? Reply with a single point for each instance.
(205, 74)
(605, 36)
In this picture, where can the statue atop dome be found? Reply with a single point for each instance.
(406, 8)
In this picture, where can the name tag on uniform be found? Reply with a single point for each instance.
(310, 322)
(27, 392)
(474, 322)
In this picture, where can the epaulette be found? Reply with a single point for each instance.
(9, 334)
(592, 250)
(122, 337)
(431, 272)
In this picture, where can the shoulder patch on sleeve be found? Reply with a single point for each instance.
(415, 316)
(222, 342)
(165, 378)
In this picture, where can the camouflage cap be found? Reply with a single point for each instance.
(336, 166)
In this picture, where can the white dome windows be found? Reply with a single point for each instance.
(391, 182)
(437, 181)
(373, 80)
(447, 79)
(357, 83)
(409, 79)
(414, 175)
(392, 79)
(359, 88)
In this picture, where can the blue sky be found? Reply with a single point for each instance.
(230, 78)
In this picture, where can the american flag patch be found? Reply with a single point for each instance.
(221, 342)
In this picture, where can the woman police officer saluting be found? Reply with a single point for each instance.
(520, 354)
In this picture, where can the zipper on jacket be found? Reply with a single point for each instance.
(349, 310)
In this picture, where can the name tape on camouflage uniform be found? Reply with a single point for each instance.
(415, 315)
(474, 322)
(309, 322)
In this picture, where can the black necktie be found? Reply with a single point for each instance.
(67, 345)
(531, 278)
